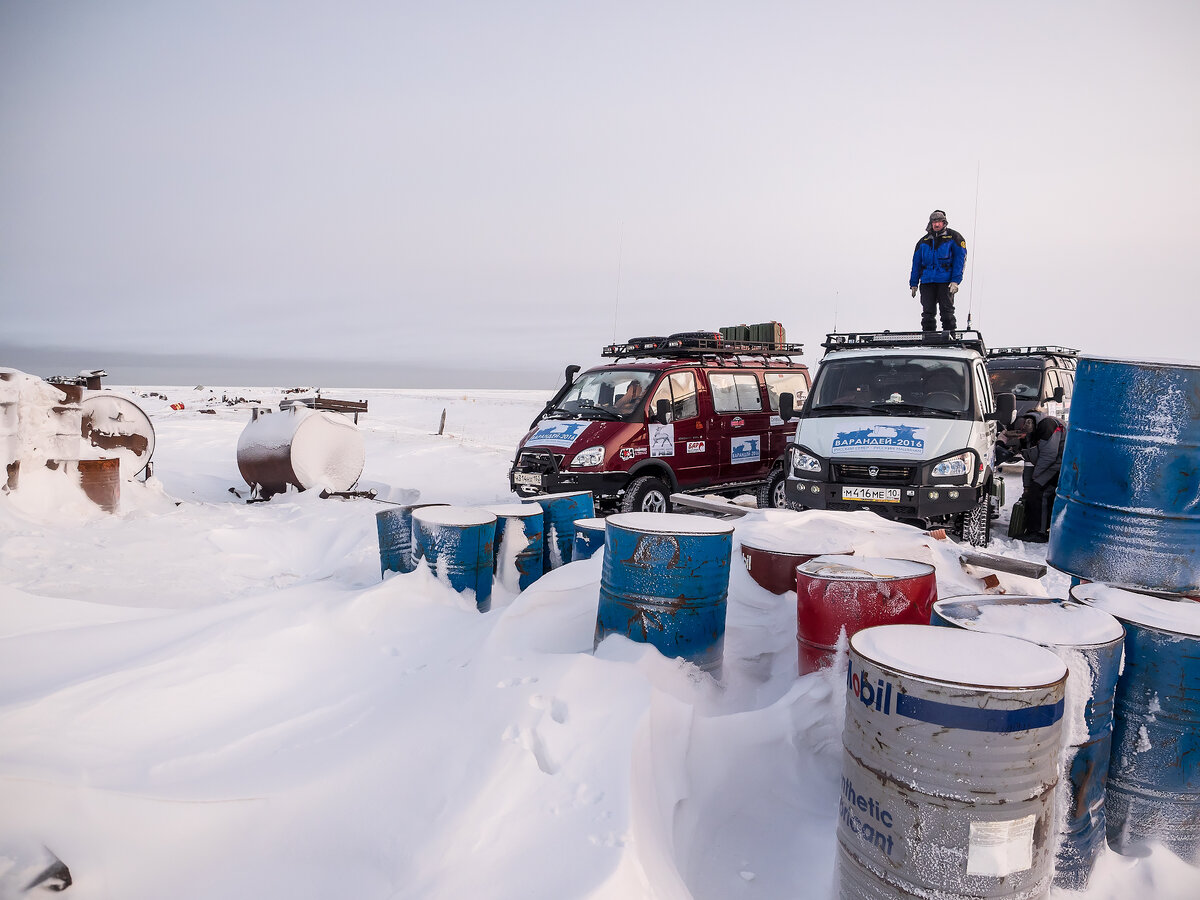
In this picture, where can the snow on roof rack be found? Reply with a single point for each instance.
(698, 346)
(1033, 350)
(853, 340)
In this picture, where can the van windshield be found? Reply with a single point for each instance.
(1024, 383)
(615, 394)
(892, 385)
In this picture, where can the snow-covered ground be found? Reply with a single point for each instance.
(204, 698)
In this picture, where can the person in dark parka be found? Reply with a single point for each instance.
(1042, 439)
(937, 269)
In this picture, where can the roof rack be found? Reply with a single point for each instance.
(853, 340)
(665, 348)
(1033, 351)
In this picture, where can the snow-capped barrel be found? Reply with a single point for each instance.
(1128, 508)
(589, 537)
(1089, 642)
(852, 593)
(774, 567)
(10, 439)
(1154, 770)
(394, 526)
(560, 513)
(456, 543)
(519, 543)
(101, 481)
(65, 416)
(302, 447)
(117, 426)
(664, 581)
(949, 765)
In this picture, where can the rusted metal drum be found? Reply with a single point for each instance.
(950, 761)
(836, 593)
(394, 526)
(1089, 642)
(664, 581)
(560, 513)
(773, 567)
(1128, 509)
(10, 441)
(589, 537)
(101, 481)
(66, 414)
(1154, 771)
(301, 447)
(519, 544)
(456, 543)
(118, 427)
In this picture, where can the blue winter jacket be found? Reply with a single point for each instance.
(939, 259)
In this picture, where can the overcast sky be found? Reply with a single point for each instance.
(471, 188)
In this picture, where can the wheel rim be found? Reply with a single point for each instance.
(654, 501)
(779, 495)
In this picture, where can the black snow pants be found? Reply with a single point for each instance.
(1039, 504)
(934, 298)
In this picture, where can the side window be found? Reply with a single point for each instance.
(983, 388)
(735, 392)
(662, 392)
(683, 387)
(1053, 382)
(792, 383)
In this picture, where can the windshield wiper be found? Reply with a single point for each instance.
(599, 411)
(842, 407)
(915, 408)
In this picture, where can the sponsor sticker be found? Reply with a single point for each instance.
(662, 440)
(557, 434)
(737, 422)
(902, 439)
(745, 449)
(695, 446)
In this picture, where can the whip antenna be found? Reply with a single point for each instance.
(974, 238)
(617, 299)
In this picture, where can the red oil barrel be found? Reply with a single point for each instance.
(855, 592)
(101, 481)
(302, 447)
(775, 568)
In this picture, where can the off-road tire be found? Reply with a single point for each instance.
(975, 525)
(646, 494)
(771, 494)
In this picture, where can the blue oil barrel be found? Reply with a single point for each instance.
(394, 525)
(456, 544)
(664, 581)
(1154, 771)
(1128, 505)
(560, 513)
(589, 537)
(1089, 642)
(950, 762)
(519, 544)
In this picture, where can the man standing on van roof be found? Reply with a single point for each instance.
(937, 266)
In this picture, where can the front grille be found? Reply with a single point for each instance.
(540, 461)
(858, 473)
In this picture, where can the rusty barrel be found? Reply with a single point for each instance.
(1126, 511)
(118, 427)
(589, 537)
(665, 581)
(1154, 770)
(560, 513)
(10, 439)
(101, 481)
(1089, 642)
(65, 416)
(301, 447)
(850, 593)
(519, 544)
(395, 530)
(950, 761)
(456, 543)
(774, 567)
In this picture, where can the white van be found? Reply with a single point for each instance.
(903, 424)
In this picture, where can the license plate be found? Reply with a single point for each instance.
(532, 478)
(872, 494)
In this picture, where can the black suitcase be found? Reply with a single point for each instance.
(1016, 524)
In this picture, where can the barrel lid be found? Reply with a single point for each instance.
(858, 568)
(454, 515)
(596, 524)
(670, 523)
(1043, 620)
(522, 510)
(1177, 616)
(956, 656)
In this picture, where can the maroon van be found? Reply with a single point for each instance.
(691, 414)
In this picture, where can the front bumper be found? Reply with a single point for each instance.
(916, 501)
(603, 485)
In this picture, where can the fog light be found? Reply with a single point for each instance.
(933, 495)
(953, 495)
(816, 489)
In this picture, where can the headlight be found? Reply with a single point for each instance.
(955, 465)
(802, 462)
(592, 456)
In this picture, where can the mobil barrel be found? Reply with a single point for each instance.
(664, 581)
(1128, 506)
(589, 537)
(850, 593)
(456, 544)
(1154, 771)
(560, 512)
(949, 765)
(519, 541)
(394, 526)
(1089, 642)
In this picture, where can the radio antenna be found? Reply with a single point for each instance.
(974, 246)
(620, 261)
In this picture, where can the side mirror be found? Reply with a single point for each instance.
(787, 410)
(1059, 394)
(1006, 409)
(662, 410)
